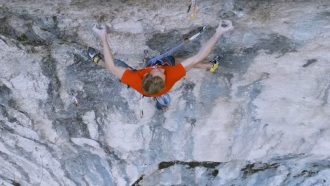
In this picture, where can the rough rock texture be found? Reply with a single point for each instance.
(261, 119)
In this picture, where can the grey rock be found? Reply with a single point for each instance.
(261, 119)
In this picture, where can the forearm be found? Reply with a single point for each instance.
(208, 46)
(108, 59)
(203, 53)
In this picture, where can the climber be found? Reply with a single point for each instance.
(156, 80)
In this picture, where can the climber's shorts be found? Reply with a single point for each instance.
(167, 61)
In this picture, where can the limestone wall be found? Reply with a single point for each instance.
(262, 119)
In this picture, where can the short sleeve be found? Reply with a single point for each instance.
(131, 78)
(175, 73)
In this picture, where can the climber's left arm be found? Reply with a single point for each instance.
(224, 26)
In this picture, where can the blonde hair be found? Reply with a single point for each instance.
(152, 85)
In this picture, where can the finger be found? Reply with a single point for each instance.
(228, 22)
(224, 24)
(107, 28)
(94, 28)
(220, 22)
(108, 25)
(99, 26)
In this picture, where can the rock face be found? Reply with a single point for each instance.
(261, 119)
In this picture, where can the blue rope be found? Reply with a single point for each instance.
(170, 52)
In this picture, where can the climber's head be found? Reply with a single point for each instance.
(154, 81)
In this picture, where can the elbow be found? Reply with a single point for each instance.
(198, 58)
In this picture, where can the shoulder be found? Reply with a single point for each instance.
(133, 76)
(174, 73)
(177, 69)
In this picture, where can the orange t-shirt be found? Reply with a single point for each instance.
(134, 78)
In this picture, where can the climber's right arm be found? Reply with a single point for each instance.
(108, 57)
(109, 61)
